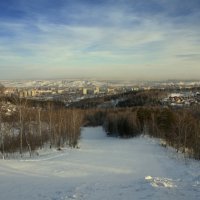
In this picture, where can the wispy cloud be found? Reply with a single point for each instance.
(128, 37)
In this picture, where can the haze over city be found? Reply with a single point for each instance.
(113, 39)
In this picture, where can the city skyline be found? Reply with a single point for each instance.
(121, 39)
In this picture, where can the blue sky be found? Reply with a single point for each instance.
(108, 39)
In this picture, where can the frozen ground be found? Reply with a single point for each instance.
(103, 168)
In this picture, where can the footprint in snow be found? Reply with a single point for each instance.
(196, 181)
(71, 197)
(160, 182)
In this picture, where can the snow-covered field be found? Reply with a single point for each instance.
(104, 169)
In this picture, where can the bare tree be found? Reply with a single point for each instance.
(2, 137)
(22, 112)
(50, 116)
(40, 126)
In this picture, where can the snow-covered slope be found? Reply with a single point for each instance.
(103, 168)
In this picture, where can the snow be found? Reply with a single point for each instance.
(102, 168)
(54, 83)
(161, 182)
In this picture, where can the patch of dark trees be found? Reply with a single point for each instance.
(127, 99)
(32, 102)
(144, 98)
(95, 101)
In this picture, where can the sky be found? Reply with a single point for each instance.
(105, 39)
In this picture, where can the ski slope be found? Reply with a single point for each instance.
(103, 168)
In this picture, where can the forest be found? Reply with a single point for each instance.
(178, 128)
(30, 128)
(52, 125)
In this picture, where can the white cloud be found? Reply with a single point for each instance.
(126, 41)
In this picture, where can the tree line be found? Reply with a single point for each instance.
(178, 128)
(30, 128)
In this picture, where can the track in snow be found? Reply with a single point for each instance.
(103, 168)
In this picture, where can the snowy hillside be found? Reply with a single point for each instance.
(103, 168)
(54, 83)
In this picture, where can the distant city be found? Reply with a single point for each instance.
(73, 90)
